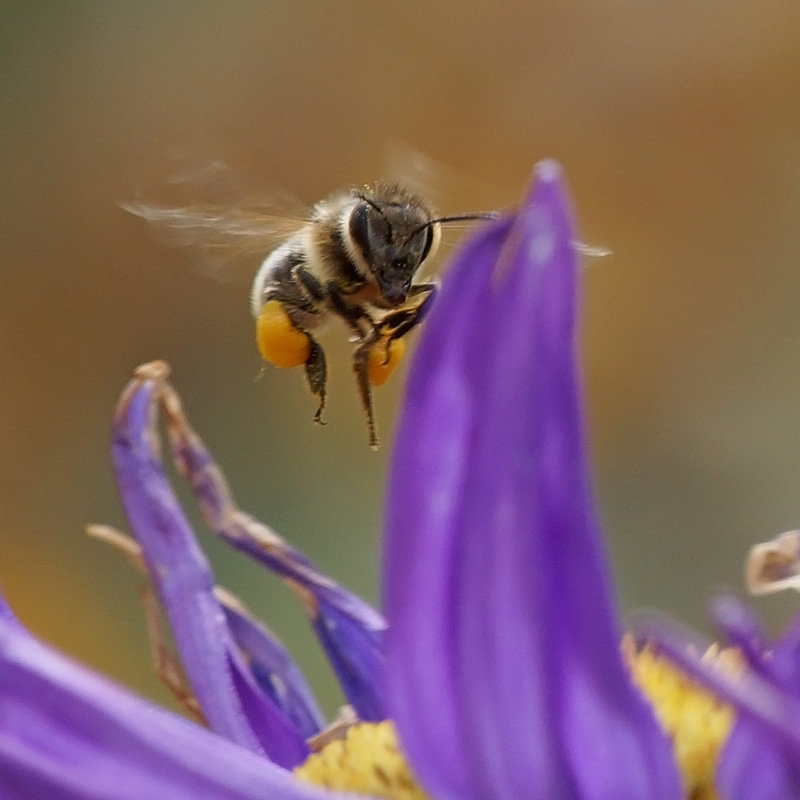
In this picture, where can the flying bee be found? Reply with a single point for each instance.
(356, 257)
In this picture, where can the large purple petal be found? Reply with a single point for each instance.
(503, 666)
(350, 631)
(232, 702)
(66, 733)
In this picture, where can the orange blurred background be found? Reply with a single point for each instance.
(678, 124)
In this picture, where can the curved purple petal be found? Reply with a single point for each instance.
(5, 611)
(356, 656)
(274, 670)
(759, 761)
(756, 764)
(267, 659)
(741, 627)
(66, 733)
(232, 702)
(503, 667)
(783, 659)
(350, 630)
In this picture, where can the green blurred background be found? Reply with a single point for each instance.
(678, 124)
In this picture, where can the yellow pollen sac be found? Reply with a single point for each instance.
(367, 761)
(279, 342)
(696, 722)
(377, 370)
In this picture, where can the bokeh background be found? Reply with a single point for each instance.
(678, 124)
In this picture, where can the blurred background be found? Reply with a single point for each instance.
(678, 124)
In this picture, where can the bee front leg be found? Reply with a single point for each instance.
(360, 368)
(381, 349)
(354, 316)
(398, 323)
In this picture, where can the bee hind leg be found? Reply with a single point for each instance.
(284, 341)
(317, 377)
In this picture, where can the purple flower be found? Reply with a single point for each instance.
(761, 757)
(501, 665)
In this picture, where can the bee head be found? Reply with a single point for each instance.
(392, 231)
(393, 236)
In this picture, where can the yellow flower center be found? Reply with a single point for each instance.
(696, 722)
(368, 759)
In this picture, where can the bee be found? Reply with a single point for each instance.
(355, 257)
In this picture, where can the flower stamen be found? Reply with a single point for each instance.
(366, 761)
(697, 722)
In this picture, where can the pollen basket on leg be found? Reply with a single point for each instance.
(382, 360)
(278, 340)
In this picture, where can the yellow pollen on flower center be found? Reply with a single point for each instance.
(367, 761)
(696, 722)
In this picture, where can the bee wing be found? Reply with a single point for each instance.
(226, 223)
(222, 236)
(592, 250)
(422, 174)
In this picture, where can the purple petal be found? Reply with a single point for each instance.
(503, 663)
(755, 764)
(5, 610)
(356, 655)
(270, 664)
(783, 659)
(761, 758)
(66, 733)
(350, 631)
(232, 702)
(274, 670)
(741, 627)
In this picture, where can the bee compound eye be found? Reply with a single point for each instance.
(427, 232)
(359, 228)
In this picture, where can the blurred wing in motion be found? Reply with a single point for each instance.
(592, 250)
(230, 228)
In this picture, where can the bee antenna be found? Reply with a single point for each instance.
(456, 218)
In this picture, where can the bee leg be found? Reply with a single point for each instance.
(354, 316)
(294, 309)
(364, 389)
(310, 283)
(317, 376)
(398, 323)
